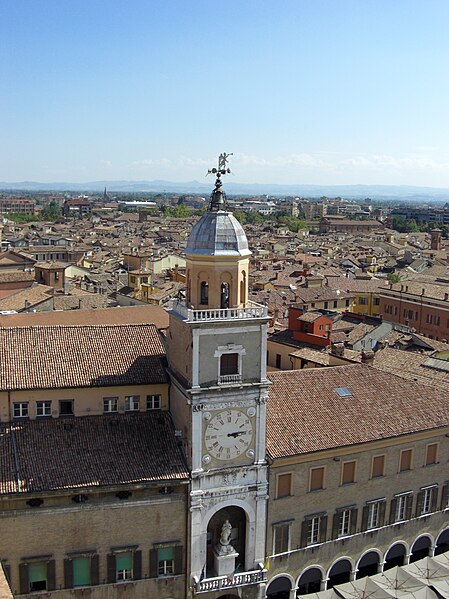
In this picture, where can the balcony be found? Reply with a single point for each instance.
(251, 310)
(233, 580)
(229, 379)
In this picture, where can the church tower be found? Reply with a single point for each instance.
(216, 351)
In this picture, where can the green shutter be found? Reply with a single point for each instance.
(124, 561)
(81, 571)
(165, 554)
(37, 571)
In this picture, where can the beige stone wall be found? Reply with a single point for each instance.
(102, 523)
(86, 401)
(179, 348)
(335, 495)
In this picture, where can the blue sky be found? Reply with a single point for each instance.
(301, 91)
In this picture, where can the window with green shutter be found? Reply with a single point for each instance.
(81, 571)
(165, 561)
(37, 576)
(124, 565)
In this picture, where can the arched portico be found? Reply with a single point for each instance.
(340, 572)
(279, 587)
(442, 542)
(395, 556)
(310, 581)
(421, 548)
(368, 564)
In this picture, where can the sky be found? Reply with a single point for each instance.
(300, 91)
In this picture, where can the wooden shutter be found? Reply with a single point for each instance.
(348, 474)
(68, 573)
(304, 529)
(112, 574)
(323, 528)
(378, 466)
(406, 460)
(365, 517)
(153, 563)
(24, 579)
(137, 565)
(408, 506)
(393, 505)
(335, 523)
(444, 496)
(419, 503)
(316, 478)
(284, 485)
(382, 506)
(431, 453)
(178, 554)
(95, 569)
(51, 575)
(433, 499)
(353, 522)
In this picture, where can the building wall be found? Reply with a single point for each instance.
(334, 495)
(99, 525)
(85, 401)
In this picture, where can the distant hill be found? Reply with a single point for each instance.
(380, 192)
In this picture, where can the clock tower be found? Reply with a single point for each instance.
(216, 351)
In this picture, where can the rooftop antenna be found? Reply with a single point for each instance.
(218, 197)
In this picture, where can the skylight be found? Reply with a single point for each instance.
(343, 392)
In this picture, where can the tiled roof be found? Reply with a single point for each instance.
(80, 356)
(305, 413)
(92, 451)
(410, 365)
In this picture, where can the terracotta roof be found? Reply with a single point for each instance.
(305, 413)
(92, 451)
(80, 356)
(411, 365)
(123, 315)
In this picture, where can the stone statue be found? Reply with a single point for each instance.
(224, 545)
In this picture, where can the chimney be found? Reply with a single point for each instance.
(338, 349)
(367, 356)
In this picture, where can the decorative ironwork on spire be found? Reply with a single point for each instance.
(218, 196)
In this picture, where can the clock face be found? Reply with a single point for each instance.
(228, 434)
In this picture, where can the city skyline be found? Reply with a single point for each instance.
(301, 92)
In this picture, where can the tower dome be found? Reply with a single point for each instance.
(218, 234)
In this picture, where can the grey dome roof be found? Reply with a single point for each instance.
(218, 234)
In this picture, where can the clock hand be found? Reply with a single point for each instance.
(235, 435)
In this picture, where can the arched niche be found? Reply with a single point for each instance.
(238, 520)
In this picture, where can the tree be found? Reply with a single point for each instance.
(52, 211)
(393, 277)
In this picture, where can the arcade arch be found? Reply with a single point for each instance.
(420, 548)
(395, 556)
(368, 564)
(279, 587)
(310, 581)
(339, 573)
(442, 542)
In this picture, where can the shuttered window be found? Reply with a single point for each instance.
(281, 538)
(229, 364)
(378, 466)
(406, 460)
(316, 479)
(284, 485)
(431, 454)
(81, 571)
(124, 565)
(165, 561)
(37, 576)
(348, 473)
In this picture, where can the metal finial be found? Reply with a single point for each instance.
(218, 197)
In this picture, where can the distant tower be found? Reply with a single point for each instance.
(105, 195)
(435, 239)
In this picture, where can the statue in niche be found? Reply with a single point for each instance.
(224, 546)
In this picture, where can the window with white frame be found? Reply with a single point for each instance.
(344, 523)
(124, 565)
(313, 530)
(281, 537)
(403, 505)
(373, 515)
(20, 409)
(165, 561)
(153, 402)
(132, 403)
(110, 404)
(43, 408)
(426, 500)
(229, 362)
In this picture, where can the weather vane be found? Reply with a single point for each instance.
(218, 197)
